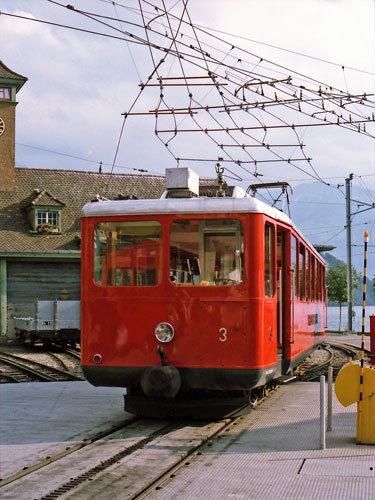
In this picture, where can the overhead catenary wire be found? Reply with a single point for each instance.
(282, 49)
(108, 17)
(203, 56)
(124, 21)
(72, 27)
(96, 162)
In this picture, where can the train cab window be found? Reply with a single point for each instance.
(269, 260)
(127, 253)
(206, 252)
(301, 270)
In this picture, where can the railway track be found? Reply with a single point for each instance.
(334, 354)
(69, 359)
(15, 368)
(66, 361)
(140, 453)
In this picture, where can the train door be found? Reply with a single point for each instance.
(281, 288)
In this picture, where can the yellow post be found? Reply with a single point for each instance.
(348, 388)
(356, 382)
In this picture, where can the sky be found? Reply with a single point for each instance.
(71, 110)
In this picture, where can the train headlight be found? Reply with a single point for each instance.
(164, 332)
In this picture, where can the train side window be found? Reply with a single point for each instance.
(320, 282)
(293, 264)
(312, 279)
(302, 274)
(269, 260)
(127, 253)
(316, 281)
(307, 275)
(206, 252)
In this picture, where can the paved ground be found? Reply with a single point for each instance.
(40, 419)
(275, 453)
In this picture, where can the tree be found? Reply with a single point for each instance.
(337, 284)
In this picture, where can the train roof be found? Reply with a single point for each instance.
(182, 206)
(233, 204)
(239, 202)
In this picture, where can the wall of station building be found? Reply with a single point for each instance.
(31, 281)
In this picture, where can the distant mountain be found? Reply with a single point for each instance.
(319, 212)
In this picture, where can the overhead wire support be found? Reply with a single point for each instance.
(180, 84)
(255, 104)
(292, 126)
(156, 112)
(361, 203)
(238, 162)
(260, 82)
(263, 145)
(184, 77)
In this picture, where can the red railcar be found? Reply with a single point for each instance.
(185, 296)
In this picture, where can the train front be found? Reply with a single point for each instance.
(165, 299)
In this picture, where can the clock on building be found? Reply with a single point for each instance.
(2, 126)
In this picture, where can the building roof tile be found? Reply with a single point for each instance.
(68, 189)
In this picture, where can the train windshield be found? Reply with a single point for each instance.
(206, 252)
(127, 253)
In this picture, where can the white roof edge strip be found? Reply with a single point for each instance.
(181, 206)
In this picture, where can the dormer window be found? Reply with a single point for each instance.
(5, 94)
(44, 213)
(48, 222)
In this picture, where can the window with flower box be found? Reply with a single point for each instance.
(48, 221)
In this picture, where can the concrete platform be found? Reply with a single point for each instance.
(274, 452)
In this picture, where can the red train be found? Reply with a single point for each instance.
(190, 297)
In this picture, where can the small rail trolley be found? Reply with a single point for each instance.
(195, 298)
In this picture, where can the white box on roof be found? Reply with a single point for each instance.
(182, 178)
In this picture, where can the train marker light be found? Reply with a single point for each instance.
(164, 332)
(97, 359)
